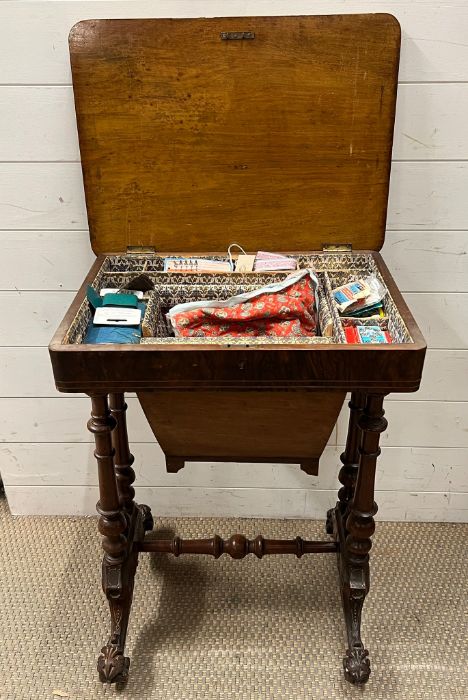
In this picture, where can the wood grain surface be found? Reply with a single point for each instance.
(291, 427)
(189, 142)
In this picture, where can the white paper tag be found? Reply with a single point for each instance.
(116, 316)
(245, 263)
(115, 290)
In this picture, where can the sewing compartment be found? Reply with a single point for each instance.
(172, 288)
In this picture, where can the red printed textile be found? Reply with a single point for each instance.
(289, 312)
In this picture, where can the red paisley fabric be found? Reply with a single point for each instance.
(288, 312)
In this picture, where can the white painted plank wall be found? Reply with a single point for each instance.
(423, 473)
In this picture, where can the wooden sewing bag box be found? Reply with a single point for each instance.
(273, 132)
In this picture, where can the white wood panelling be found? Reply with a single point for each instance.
(46, 454)
(443, 318)
(434, 46)
(411, 423)
(238, 502)
(73, 464)
(30, 318)
(55, 260)
(428, 260)
(50, 196)
(429, 124)
(445, 377)
(428, 195)
(42, 196)
(52, 135)
(27, 372)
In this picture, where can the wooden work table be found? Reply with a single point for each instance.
(276, 132)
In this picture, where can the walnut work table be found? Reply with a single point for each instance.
(275, 132)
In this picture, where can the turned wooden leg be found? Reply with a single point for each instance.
(123, 460)
(355, 539)
(349, 458)
(121, 524)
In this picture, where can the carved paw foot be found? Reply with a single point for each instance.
(329, 522)
(112, 665)
(147, 518)
(356, 665)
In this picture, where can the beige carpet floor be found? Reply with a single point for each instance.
(226, 629)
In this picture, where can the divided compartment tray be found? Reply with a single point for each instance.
(332, 269)
(156, 327)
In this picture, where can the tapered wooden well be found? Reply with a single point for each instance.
(244, 426)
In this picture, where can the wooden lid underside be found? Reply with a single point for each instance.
(279, 142)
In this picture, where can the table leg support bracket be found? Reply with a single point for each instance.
(123, 525)
(117, 583)
(354, 586)
(352, 524)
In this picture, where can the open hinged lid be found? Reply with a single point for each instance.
(275, 132)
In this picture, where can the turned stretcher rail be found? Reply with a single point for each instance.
(237, 546)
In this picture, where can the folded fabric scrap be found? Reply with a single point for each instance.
(286, 308)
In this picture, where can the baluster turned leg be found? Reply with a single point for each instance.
(121, 524)
(349, 458)
(123, 461)
(355, 539)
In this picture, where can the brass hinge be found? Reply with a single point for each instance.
(337, 248)
(140, 250)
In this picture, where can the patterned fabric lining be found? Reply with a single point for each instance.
(333, 269)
